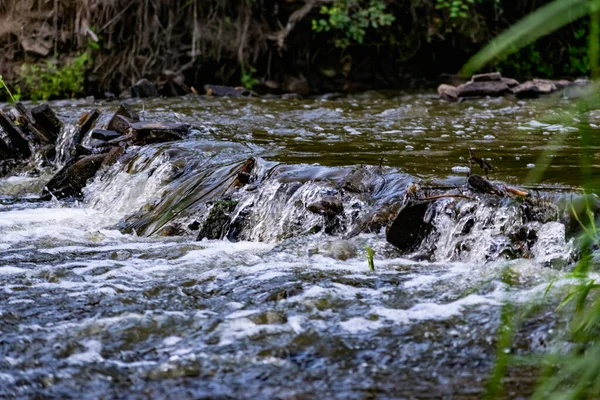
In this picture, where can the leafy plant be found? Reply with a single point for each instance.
(53, 81)
(248, 80)
(350, 19)
(456, 8)
(370, 254)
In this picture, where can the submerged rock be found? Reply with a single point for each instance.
(217, 221)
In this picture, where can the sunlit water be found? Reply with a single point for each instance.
(87, 311)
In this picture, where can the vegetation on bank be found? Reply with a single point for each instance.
(334, 45)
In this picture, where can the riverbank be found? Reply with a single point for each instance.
(76, 48)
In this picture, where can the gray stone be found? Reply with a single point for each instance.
(144, 89)
(491, 76)
(482, 89)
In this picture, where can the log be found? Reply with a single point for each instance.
(482, 185)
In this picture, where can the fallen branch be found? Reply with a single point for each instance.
(444, 196)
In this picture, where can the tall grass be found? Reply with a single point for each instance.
(573, 373)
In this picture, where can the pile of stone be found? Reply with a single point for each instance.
(493, 84)
(32, 134)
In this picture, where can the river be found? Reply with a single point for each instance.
(91, 311)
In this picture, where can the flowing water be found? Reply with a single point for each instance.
(99, 300)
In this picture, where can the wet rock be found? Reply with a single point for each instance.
(363, 180)
(104, 135)
(119, 124)
(14, 137)
(228, 91)
(81, 150)
(216, 223)
(157, 132)
(28, 125)
(244, 178)
(339, 249)
(410, 226)
(72, 178)
(122, 119)
(86, 121)
(527, 90)
(5, 151)
(559, 84)
(171, 230)
(488, 77)
(144, 89)
(448, 92)
(482, 89)
(510, 82)
(112, 156)
(329, 206)
(194, 226)
(46, 122)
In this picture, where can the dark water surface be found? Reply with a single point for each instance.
(89, 312)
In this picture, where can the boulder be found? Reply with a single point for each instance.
(144, 89)
(157, 132)
(72, 178)
(216, 223)
(527, 90)
(482, 89)
(510, 82)
(489, 77)
(448, 92)
(558, 84)
(410, 227)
